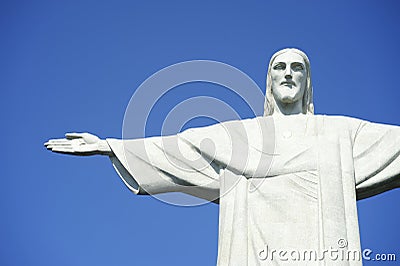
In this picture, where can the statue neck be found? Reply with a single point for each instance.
(288, 108)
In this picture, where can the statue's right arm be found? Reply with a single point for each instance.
(81, 144)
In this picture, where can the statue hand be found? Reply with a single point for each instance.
(82, 144)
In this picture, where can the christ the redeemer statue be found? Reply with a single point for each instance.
(298, 194)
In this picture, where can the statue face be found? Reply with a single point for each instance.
(288, 76)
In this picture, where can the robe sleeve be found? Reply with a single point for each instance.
(193, 161)
(376, 154)
(165, 164)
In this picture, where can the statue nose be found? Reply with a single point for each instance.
(288, 73)
(288, 76)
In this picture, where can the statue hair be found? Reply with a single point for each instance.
(270, 104)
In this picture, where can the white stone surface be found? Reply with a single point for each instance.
(287, 181)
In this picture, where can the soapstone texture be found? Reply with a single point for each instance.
(286, 181)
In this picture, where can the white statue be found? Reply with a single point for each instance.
(295, 197)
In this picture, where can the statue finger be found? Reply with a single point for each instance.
(65, 150)
(74, 135)
(53, 141)
(60, 144)
(49, 147)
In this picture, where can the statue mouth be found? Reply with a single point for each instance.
(288, 83)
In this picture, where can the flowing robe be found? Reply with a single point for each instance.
(287, 186)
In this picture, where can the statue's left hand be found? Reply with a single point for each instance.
(81, 144)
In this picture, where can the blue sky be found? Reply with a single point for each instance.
(73, 66)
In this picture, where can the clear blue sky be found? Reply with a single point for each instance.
(73, 66)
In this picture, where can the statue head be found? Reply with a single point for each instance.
(296, 84)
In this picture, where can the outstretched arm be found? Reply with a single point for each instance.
(376, 154)
(81, 144)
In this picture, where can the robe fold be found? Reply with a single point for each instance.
(287, 186)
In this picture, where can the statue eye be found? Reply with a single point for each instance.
(298, 67)
(280, 66)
